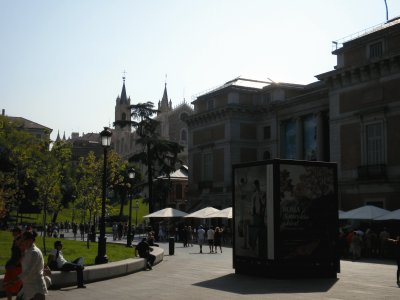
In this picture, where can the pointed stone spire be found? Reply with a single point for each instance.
(58, 136)
(64, 139)
(123, 98)
(164, 101)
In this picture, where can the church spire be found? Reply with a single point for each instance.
(164, 105)
(124, 98)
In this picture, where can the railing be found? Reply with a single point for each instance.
(339, 43)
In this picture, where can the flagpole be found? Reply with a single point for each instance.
(387, 11)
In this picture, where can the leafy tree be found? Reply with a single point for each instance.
(18, 153)
(48, 178)
(89, 186)
(157, 154)
(62, 152)
(117, 177)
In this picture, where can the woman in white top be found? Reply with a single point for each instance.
(33, 282)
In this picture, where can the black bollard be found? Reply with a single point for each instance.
(171, 245)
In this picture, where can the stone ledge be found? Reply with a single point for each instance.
(98, 272)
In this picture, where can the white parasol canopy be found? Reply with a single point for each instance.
(368, 212)
(202, 213)
(225, 213)
(166, 213)
(393, 215)
(341, 212)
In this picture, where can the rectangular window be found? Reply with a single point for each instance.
(310, 137)
(207, 166)
(375, 50)
(374, 140)
(289, 140)
(267, 132)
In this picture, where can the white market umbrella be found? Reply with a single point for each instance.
(166, 213)
(225, 213)
(202, 213)
(393, 215)
(368, 212)
(341, 212)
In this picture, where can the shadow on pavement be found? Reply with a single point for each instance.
(247, 285)
(380, 261)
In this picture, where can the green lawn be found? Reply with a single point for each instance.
(67, 213)
(71, 250)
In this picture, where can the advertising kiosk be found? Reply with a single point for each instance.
(285, 222)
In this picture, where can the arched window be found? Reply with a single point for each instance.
(123, 116)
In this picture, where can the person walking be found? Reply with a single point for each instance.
(218, 239)
(56, 261)
(190, 236)
(11, 282)
(396, 242)
(210, 238)
(74, 230)
(33, 282)
(200, 237)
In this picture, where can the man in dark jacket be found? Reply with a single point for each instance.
(144, 250)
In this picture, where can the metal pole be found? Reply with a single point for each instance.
(136, 208)
(387, 11)
(129, 238)
(101, 257)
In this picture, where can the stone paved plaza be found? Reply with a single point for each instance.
(191, 275)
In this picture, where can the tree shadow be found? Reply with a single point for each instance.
(247, 285)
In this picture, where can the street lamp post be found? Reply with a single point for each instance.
(136, 208)
(101, 257)
(131, 174)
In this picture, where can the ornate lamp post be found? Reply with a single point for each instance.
(131, 174)
(101, 257)
(136, 208)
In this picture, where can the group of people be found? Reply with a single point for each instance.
(358, 243)
(214, 238)
(27, 274)
(25, 269)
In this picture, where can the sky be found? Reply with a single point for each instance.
(62, 61)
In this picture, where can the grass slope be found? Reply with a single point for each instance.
(71, 250)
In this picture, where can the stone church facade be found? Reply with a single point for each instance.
(172, 125)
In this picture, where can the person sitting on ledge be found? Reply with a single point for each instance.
(56, 261)
(144, 252)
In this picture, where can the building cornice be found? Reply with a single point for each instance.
(344, 77)
(223, 113)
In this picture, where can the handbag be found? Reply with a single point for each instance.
(47, 271)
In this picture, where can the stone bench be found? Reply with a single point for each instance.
(99, 272)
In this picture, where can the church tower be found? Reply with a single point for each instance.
(122, 136)
(164, 105)
(122, 110)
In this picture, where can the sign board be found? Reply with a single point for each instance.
(285, 218)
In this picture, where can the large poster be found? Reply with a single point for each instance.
(307, 208)
(285, 218)
(253, 211)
